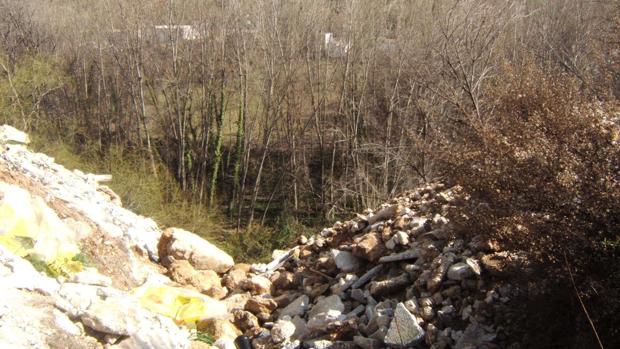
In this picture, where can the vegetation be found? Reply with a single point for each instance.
(245, 121)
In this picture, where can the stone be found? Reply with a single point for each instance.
(234, 277)
(261, 306)
(256, 284)
(385, 213)
(367, 276)
(318, 344)
(345, 261)
(367, 343)
(90, 276)
(401, 238)
(343, 283)
(219, 328)
(439, 268)
(358, 295)
(225, 343)
(203, 255)
(199, 345)
(473, 337)
(11, 134)
(474, 265)
(390, 285)
(404, 330)
(237, 301)
(332, 302)
(285, 298)
(459, 271)
(283, 280)
(321, 320)
(121, 316)
(297, 307)
(205, 281)
(244, 320)
(301, 328)
(370, 247)
(282, 330)
(412, 306)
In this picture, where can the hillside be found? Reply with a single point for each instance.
(80, 271)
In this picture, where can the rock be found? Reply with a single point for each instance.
(343, 283)
(367, 276)
(301, 328)
(234, 277)
(285, 298)
(296, 307)
(199, 345)
(345, 261)
(261, 306)
(320, 321)
(400, 238)
(219, 328)
(303, 240)
(263, 342)
(205, 281)
(225, 343)
(358, 295)
(283, 280)
(282, 330)
(237, 301)
(257, 285)
(474, 337)
(203, 255)
(318, 344)
(370, 247)
(412, 306)
(328, 303)
(460, 271)
(440, 266)
(90, 276)
(404, 330)
(244, 320)
(474, 265)
(11, 134)
(367, 343)
(121, 316)
(384, 214)
(390, 285)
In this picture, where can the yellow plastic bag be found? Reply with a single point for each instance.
(30, 229)
(183, 306)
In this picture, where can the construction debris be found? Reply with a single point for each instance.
(396, 277)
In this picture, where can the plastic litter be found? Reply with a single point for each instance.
(182, 305)
(30, 229)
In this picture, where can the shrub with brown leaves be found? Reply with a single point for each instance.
(544, 162)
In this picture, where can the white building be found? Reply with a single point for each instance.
(163, 33)
(333, 47)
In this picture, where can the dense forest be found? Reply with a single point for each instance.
(274, 115)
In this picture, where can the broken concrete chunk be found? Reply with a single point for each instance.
(404, 330)
(328, 303)
(345, 261)
(282, 330)
(296, 307)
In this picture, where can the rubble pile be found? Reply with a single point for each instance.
(77, 270)
(395, 277)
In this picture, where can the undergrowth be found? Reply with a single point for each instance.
(159, 197)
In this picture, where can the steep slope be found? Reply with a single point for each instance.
(78, 270)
